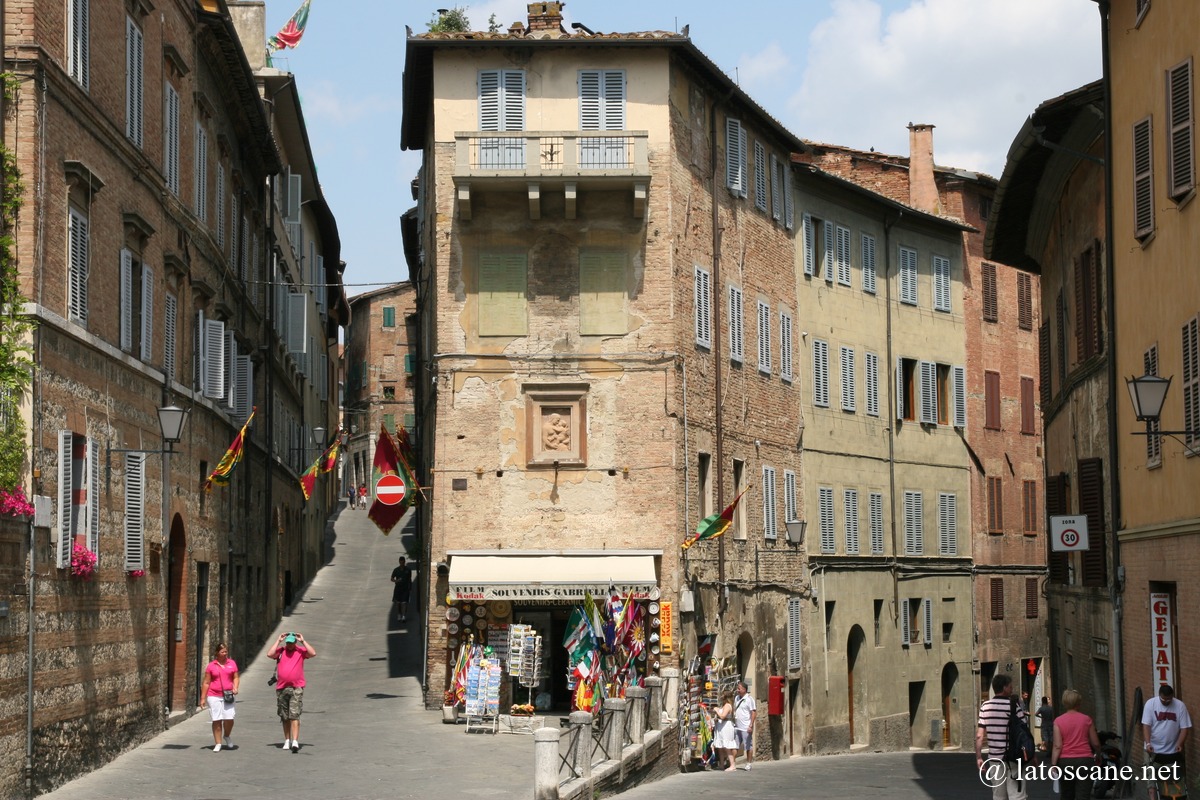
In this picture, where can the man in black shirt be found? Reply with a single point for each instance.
(402, 578)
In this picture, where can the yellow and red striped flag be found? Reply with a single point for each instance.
(220, 475)
(324, 463)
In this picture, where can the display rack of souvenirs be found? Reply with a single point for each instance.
(483, 695)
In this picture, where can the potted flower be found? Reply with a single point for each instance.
(134, 574)
(83, 563)
(13, 503)
(449, 707)
(521, 710)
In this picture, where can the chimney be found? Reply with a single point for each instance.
(546, 17)
(922, 189)
(250, 20)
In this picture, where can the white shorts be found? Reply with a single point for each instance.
(219, 709)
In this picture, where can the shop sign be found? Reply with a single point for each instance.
(1160, 637)
(536, 592)
(665, 630)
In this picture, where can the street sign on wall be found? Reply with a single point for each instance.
(1068, 533)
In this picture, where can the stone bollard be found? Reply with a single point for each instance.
(545, 763)
(655, 686)
(670, 679)
(581, 729)
(614, 732)
(637, 696)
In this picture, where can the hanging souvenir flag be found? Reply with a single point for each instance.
(220, 475)
(714, 525)
(593, 616)
(391, 476)
(290, 35)
(585, 668)
(578, 635)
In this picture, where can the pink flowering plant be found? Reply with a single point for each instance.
(136, 573)
(83, 563)
(13, 503)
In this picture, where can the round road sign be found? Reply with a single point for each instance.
(1069, 537)
(390, 490)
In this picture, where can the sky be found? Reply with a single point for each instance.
(847, 72)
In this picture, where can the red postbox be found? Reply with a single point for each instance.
(776, 688)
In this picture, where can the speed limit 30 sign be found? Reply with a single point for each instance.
(1068, 533)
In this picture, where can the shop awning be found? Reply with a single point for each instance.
(541, 575)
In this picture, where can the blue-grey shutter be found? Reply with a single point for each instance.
(135, 511)
(868, 263)
(941, 283)
(297, 323)
(960, 396)
(134, 94)
(1143, 178)
(214, 358)
(734, 177)
(795, 652)
(78, 232)
(776, 189)
(147, 343)
(948, 524)
(789, 211)
(876, 505)
(764, 338)
(736, 327)
(126, 300)
(820, 373)
(200, 364)
(849, 398)
(93, 497)
(170, 320)
(905, 624)
(871, 368)
(928, 403)
(703, 300)
(899, 388)
(66, 498)
(785, 346)
(843, 255)
(760, 176)
(825, 509)
(827, 255)
(810, 245)
(927, 621)
(850, 508)
(1180, 121)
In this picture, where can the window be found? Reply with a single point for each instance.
(502, 294)
(842, 256)
(171, 138)
(985, 207)
(929, 393)
(78, 41)
(770, 531)
(77, 258)
(134, 91)
(820, 373)
(1143, 180)
(997, 585)
(764, 337)
(868, 263)
(1150, 367)
(389, 316)
(875, 505)
(200, 178)
(739, 513)
(789, 212)
(990, 302)
(1024, 301)
(501, 108)
(1087, 303)
(1191, 381)
(78, 495)
(908, 276)
(137, 305)
(818, 243)
(941, 284)
(995, 498)
(135, 508)
(947, 524)
(735, 157)
(830, 605)
(1029, 507)
(878, 616)
(704, 484)
(914, 536)
(220, 210)
(785, 346)
(1091, 505)
(871, 368)
(556, 425)
(789, 496)
(602, 108)
(777, 188)
(1027, 410)
(916, 618)
(825, 510)
(1180, 144)
(1060, 313)
(850, 508)
(991, 400)
(906, 389)
(959, 387)
(170, 325)
(760, 176)
(795, 659)
(210, 356)
(703, 301)
(602, 289)
(1031, 598)
(1045, 367)
(737, 340)
(848, 383)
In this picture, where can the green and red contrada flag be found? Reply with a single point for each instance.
(388, 461)
(290, 35)
(714, 525)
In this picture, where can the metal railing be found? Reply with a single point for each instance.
(550, 153)
(567, 771)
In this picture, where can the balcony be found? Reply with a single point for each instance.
(531, 160)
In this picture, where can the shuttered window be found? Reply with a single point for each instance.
(789, 496)
(200, 176)
(68, 513)
(795, 660)
(1031, 598)
(906, 626)
(991, 400)
(220, 209)
(959, 381)
(997, 585)
(1143, 179)
(1044, 365)
(170, 326)
(1191, 381)
(820, 373)
(825, 509)
(764, 338)
(78, 44)
(868, 263)
(789, 215)
(127, 300)
(1087, 303)
(135, 511)
(146, 346)
(735, 157)
(843, 255)
(171, 138)
(1181, 142)
(850, 510)
(927, 621)
(760, 176)
(501, 108)
(929, 393)
(776, 188)
(243, 397)
(871, 378)
(1091, 505)
(502, 288)
(990, 301)
(1060, 325)
(134, 91)
(941, 284)
(1024, 301)
(702, 296)
(1029, 497)
(602, 108)
(947, 524)
(785, 345)
(1027, 408)
(914, 524)
(875, 506)
(737, 328)
(77, 259)
(848, 380)
(908, 276)
(770, 528)
(1150, 367)
(827, 250)
(215, 352)
(810, 245)
(602, 293)
(995, 500)
(1056, 505)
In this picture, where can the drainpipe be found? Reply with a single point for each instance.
(894, 407)
(718, 428)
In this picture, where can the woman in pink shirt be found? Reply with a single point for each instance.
(218, 688)
(1075, 748)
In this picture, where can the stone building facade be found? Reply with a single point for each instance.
(147, 247)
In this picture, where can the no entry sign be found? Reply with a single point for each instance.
(390, 490)
(1068, 534)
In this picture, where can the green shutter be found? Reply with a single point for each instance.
(410, 420)
(410, 363)
(389, 422)
(389, 317)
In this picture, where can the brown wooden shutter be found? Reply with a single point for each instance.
(1091, 505)
(1027, 423)
(1024, 301)
(991, 398)
(1030, 502)
(1056, 503)
(990, 305)
(1031, 598)
(1179, 120)
(1060, 314)
(1096, 306)
(1044, 363)
(997, 598)
(995, 505)
(1086, 307)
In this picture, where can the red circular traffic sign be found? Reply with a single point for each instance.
(390, 490)
(1069, 537)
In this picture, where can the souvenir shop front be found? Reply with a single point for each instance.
(558, 622)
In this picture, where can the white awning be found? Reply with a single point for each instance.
(551, 575)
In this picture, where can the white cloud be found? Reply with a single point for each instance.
(323, 101)
(973, 68)
(764, 71)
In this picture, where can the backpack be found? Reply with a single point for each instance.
(1019, 739)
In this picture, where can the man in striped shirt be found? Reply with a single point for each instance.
(993, 729)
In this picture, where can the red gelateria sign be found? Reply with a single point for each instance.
(1160, 638)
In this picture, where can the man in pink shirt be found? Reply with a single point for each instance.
(290, 651)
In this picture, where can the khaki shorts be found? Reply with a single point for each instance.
(289, 702)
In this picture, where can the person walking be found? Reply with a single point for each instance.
(290, 650)
(402, 578)
(219, 687)
(362, 495)
(994, 715)
(1166, 726)
(1075, 745)
(745, 714)
(724, 739)
(1045, 715)
(350, 496)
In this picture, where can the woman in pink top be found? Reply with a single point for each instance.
(220, 682)
(1075, 746)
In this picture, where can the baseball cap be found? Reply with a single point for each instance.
(290, 639)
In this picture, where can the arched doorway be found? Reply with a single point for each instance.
(745, 658)
(950, 727)
(176, 598)
(856, 689)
